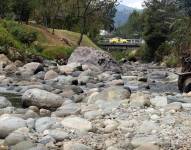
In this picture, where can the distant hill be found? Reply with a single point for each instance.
(122, 14)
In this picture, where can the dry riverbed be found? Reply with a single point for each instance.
(89, 104)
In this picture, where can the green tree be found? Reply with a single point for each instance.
(23, 9)
(158, 17)
(133, 28)
(5, 7)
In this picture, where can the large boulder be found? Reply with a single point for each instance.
(31, 68)
(9, 124)
(41, 99)
(94, 58)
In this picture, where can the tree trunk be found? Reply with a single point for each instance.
(80, 39)
(82, 30)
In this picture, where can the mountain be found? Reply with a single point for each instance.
(122, 14)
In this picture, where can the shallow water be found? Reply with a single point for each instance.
(15, 99)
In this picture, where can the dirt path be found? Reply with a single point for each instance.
(53, 38)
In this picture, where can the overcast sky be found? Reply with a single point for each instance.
(133, 3)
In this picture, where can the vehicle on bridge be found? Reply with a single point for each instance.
(118, 40)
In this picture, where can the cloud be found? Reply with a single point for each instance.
(133, 3)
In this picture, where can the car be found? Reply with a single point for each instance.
(118, 40)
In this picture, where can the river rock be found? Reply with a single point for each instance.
(31, 68)
(50, 75)
(41, 99)
(16, 136)
(75, 146)
(11, 68)
(148, 147)
(176, 106)
(66, 110)
(58, 134)
(24, 145)
(140, 99)
(77, 123)
(9, 124)
(93, 57)
(114, 93)
(65, 69)
(4, 60)
(44, 123)
(138, 141)
(159, 101)
(148, 127)
(4, 102)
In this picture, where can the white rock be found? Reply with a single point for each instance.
(159, 101)
(77, 123)
(41, 99)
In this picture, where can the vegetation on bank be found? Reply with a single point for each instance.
(27, 40)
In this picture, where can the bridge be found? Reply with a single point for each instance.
(132, 43)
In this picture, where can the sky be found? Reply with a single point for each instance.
(133, 3)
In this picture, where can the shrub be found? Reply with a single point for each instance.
(163, 50)
(6, 39)
(172, 61)
(133, 55)
(22, 33)
(118, 54)
(57, 52)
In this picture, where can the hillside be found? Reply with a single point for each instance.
(61, 44)
(122, 14)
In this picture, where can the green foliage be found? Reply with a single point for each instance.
(164, 49)
(119, 54)
(172, 61)
(7, 40)
(22, 33)
(57, 52)
(158, 16)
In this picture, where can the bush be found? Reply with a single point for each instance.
(6, 39)
(163, 50)
(133, 55)
(118, 54)
(172, 61)
(22, 33)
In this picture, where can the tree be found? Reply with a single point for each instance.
(134, 26)
(49, 10)
(23, 9)
(5, 7)
(158, 16)
(92, 10)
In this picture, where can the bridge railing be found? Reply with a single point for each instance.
(130, 41)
